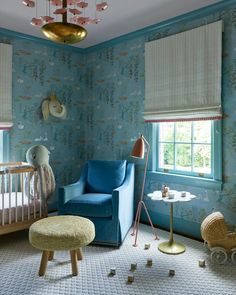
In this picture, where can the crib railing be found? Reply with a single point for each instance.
(20, 197)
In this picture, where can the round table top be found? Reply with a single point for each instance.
(157, 196)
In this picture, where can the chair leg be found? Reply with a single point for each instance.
(73, 257)
(79, 254)
(43, 264)
(51, 254)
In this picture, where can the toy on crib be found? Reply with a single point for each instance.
(38, 156)
(218, 238)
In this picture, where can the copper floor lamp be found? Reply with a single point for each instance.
(139, 152)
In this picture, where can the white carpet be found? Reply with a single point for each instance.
(19, 263)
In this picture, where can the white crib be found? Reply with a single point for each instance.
(18, 207)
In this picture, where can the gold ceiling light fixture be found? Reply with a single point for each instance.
(64, 31)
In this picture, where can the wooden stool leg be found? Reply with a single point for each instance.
(79, 254)
(73, 257)
(43, 264)
(51, 254)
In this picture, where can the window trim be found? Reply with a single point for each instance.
(186, 181)
(215, 181)
(5, 137)
(1, 146)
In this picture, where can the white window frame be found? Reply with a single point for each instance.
(216, 156)
(4, 146)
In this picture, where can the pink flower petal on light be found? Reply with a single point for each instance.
(74, 11)
(82, 4)
(56, 2)
(28, 3)
(95, 21)
(82, 20)
(36, 22)
(60, 11)
(71, 2)
(102, 6)
(47, 19)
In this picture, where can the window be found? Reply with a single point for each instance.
(188, 148)
(183, 83)
(1, 146)
(4, 146)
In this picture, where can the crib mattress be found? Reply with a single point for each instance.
(17, 206)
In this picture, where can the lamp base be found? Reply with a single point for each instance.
(171, 248)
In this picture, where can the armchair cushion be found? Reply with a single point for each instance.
(90, 205)
(105, 176)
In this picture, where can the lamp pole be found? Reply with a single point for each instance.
(141, 202)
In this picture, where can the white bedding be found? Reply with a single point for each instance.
(15, 204)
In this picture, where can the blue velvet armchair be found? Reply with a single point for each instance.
(105, 195)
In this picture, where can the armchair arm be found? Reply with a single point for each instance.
(70, 191)
(123, 196)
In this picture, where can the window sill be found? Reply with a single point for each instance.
(186, 180)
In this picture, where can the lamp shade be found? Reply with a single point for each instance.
(138, 149)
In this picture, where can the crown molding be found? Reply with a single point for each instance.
(204, 11)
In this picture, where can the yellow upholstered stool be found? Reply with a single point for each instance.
(61, 233)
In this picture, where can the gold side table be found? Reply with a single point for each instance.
(171, 247)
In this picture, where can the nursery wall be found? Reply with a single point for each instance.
(114, 105)
(103, 90)
(38, 70)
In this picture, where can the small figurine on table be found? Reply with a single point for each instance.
(165, 191)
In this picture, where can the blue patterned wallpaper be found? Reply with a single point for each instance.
(115, 90)
(104, 93)
(39, 70)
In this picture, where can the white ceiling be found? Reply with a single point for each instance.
(122, 17)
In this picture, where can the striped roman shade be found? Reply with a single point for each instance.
(183, 75)
(5, 86)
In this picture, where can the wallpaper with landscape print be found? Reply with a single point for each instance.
(103, 91)
(114, 104)
(38, 71)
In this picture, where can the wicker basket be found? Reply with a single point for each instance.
(215, 232)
